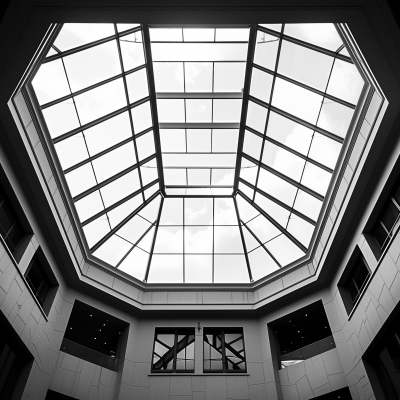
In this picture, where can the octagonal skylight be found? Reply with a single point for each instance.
(198, 155)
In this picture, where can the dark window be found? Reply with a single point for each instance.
(388, 219)
(95, 336)
(15, 362)
(301, 335)
(386, 360)
(38, 280)
(224, 350)
(173, 350)
(10, 228)
(357, 279)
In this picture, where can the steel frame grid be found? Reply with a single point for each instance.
(158, 153)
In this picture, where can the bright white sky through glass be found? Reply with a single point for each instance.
(203, 226)
(199, 79)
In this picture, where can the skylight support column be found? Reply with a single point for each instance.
(123, 222)
(121, 62)
(154, 239)
(243, 241)
(276, 224)
(153, 104)
(262, 245)
(246, 92)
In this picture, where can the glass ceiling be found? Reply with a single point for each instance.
(198, 155)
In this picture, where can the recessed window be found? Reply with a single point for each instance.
(301, 335)
(10, 227)
(42, 281)
(95, 336)
(173, 350)
(15, 362)
(224, 350)
(388, 219)
(385, 358)
(353, 280)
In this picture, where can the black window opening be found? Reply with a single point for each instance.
(302, 334)
(388, 219)
(10, 228)
(38, 280)
(42, 281)
(385, 359)
(95, 336)
(173, 350)
(353, 281)
(15, 362)
(224, 351)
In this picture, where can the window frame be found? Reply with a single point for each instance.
(355, 261)
(223, 331)
(17, 212)
(390, 201)
(175, 332)
(40, 260)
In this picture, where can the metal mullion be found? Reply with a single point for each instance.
(99, 120)
(199, 125)
(86, 89)
(90, 45)
(198, 186)
(118, 203)
(175, 349)
(258, 163)
(262, 245)
(153, 105)
(84, 139)
(121, 62)
(154, 238)
(281, 145)
(245, 102)
(280, 203)
(122, 223)
(286, 178)
(224, 363)
(135, 245)
(275, 223)
(183, 237)
(308, 45)
(102, 153)
(243, 241)
(213, 239)
(180, 167)
(297, 119)
(111, 179)
(304, 86)
(199, 95)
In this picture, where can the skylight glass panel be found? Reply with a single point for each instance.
(225, 213)
(300, 108)
(194, 119)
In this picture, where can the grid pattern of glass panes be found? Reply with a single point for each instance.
(199, 78)
(303, 93)
(93, 91)
(213, 224)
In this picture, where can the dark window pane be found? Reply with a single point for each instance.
(14, 236)
(173, 351)
(6, 218)
(224, 351)
(380, 233)
(390, 216)
(38, 280)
